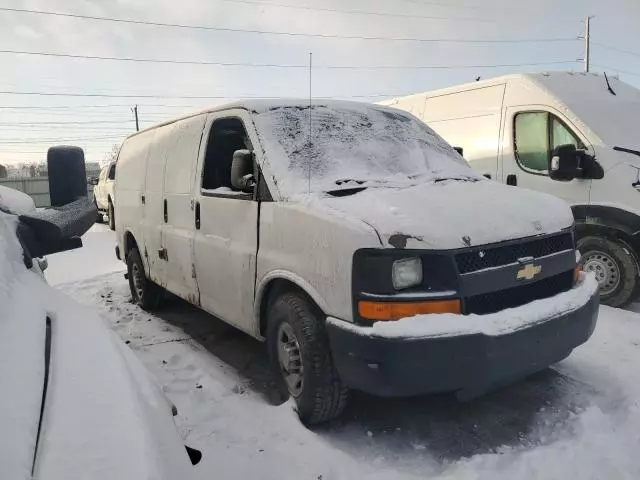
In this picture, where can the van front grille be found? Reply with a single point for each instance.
(481, 258)
(514, 297)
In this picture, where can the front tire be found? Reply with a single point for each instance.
(614, 266)
(112, 219)
(99, 217)
(300, 354)
(146, 294)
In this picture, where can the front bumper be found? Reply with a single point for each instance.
(469, 364)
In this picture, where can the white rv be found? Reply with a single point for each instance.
(319, 229)
(508, 128)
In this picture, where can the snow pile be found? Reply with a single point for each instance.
(14, 201)
(499, 323)
(352, 144)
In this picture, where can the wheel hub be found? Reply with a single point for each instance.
(605, 269)
(290, 359)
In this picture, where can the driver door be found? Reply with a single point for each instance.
(226, 222)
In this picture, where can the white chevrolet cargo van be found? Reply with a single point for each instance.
(508, 127)
(357, 243)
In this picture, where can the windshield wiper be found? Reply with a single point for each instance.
(627, 150)
(608, 84)
(342, 181)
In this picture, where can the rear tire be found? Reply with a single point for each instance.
(614, 266)
(144, 293)
(300, 355)
(112, 220)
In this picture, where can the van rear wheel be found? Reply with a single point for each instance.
(614, 266)
(300, 355)
(146, 294)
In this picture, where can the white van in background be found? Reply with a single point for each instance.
(320, 228)
(507, 128)
(103, 195)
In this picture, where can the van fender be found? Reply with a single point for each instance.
(289, 276)
(605, 220)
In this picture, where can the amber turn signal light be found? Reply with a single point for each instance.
(395, 311)
(576, 273)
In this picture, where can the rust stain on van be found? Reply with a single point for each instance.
(399, 240)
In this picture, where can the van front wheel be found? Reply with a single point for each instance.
(300, 354)
(146, 294)
(614, 266)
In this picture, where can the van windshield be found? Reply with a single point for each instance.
(351, 145)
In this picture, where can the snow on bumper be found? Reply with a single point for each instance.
(464, 353)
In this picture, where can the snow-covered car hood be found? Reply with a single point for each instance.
(453, 214)
(103, 417)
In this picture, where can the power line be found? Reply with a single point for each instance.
(22, 140)
(272, 65)
(360, 12)
(270, 32)
(616, 49)
(102, 122)
(626, 72)
(48, 107)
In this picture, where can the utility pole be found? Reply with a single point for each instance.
(587, 38)
(135, 112)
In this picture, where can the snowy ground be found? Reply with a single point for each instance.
(579, 419)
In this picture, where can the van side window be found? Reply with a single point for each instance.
(226, 136)
(536, 134)
(112, 172)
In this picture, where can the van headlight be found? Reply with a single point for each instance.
(406, 273)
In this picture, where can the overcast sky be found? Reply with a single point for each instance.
(26, 133)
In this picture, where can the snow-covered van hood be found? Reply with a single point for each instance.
(103, 416)
(453, 214)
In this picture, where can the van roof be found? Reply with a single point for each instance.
(263, 104)
(554, 82)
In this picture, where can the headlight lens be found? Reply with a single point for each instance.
(406, 273)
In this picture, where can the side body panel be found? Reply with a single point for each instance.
(312, 248)
(469, 119)
(178, 230)
(130, 184)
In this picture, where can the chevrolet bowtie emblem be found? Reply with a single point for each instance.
(528, 271)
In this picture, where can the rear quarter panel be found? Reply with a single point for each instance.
(129, 187)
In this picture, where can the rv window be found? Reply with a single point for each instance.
(226, 136)
(532, 140)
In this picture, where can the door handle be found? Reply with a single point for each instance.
(197, 215)
(162, 254)
(143, 199)
(512, 180)
(166, 215)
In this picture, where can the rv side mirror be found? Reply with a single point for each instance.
(67, 175)
(564, 164)
(242, 171)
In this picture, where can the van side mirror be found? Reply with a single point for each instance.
(93, 181)
(67, 175)
(242, 171)
(564, 164)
